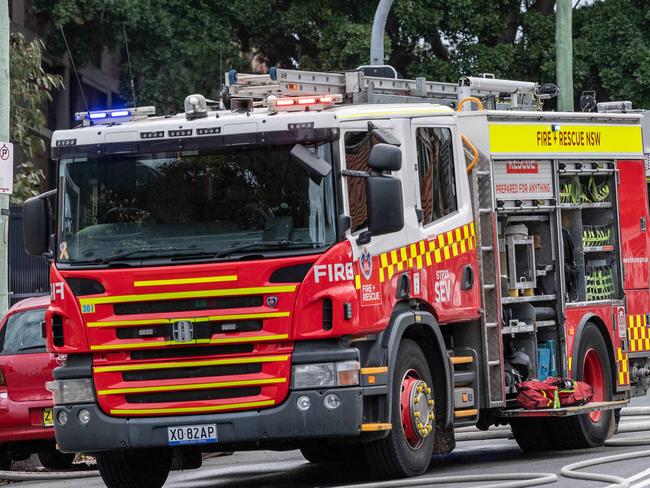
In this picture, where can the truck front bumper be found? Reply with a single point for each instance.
(283, 423)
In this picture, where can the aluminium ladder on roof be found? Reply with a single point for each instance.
(356, 87)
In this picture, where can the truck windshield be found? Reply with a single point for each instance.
(192, 204)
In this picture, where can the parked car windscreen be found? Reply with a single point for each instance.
(22, 333)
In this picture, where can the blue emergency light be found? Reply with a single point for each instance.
(102, 114)
(109, 116)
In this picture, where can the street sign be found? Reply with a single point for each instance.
(6, 167)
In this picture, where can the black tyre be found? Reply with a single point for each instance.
(532, 434)
(408, 448)
(318, 452)
(5, 460)
(617, 419)
(135, 469)
(593, 366)
(56, 460)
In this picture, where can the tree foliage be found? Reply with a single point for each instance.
(180, 47)
(30, 88)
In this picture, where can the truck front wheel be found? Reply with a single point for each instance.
(135, 469)
(56, 460)
(407, 450)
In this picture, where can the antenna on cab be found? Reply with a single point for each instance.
(74, 68)
(128, 60)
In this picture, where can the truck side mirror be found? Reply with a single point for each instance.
(385, 157)
(36, 224)
(383, 193)
(315, 167)
(385, 208)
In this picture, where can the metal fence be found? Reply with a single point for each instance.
(28, 275)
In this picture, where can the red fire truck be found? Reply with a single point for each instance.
(343, 263)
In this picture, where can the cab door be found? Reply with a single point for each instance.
(446, 233)
(377, 263)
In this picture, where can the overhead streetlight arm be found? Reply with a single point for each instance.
(378, 28)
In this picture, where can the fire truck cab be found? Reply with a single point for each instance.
(346, 264)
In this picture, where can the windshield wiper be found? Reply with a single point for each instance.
(152, 252)
(265, 244)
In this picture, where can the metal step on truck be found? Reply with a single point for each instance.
(342, 263)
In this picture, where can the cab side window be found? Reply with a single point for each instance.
(357, 151)
(436, 173)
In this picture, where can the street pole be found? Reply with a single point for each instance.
(378, 28)
(4, 137)
(564, 54)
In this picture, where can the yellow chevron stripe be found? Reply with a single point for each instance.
(194, 386)
(225, 340)
(212, 318)
(188, 294)
(189, 364)
(186, 281)
(211, 408)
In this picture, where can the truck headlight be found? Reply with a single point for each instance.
(325, 375)
(67, 392)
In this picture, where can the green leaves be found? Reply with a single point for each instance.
(31, 88)
(180, 47)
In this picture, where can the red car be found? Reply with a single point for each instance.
(26, 424)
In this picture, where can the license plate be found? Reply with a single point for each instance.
(48, 417)
(191, 434)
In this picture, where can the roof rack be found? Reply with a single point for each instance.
(356, 87)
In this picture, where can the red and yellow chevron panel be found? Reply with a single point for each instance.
(622, 365)
(423, 253)
(638, 332)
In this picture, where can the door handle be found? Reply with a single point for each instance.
(644, 224)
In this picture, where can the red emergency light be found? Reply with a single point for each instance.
(296, 104)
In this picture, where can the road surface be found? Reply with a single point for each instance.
(270, 469)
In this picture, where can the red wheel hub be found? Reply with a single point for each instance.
(593, 375)
(417, 408)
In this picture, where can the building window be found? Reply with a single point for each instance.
(436, 173)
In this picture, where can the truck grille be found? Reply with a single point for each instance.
(193, 385)
(177, 373)
(184, 352)
(167, 354)
(189, 305)
(178, 396)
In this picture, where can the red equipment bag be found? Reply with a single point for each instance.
(553, 393)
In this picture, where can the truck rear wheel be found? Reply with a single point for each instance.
(135, 469)
(532, 434)
(593, 367)
(408, 448)
(579, 431)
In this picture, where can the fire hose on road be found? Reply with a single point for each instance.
(504, 480)
(521, 480)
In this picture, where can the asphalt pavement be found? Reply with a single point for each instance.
(288, 469)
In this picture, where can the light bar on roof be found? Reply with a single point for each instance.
(303, 103)
(111, 116)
